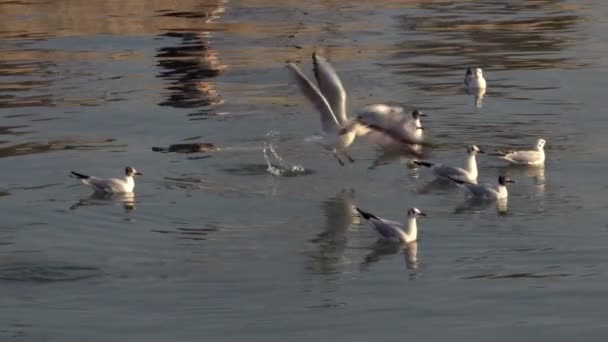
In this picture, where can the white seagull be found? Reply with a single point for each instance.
(474, 80)
(467, 174)
(530, 157)
(391, 121)
(330, 100)
(394, 231)
(110, 185)
(487, 191)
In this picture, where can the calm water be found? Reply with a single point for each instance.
(215, 248)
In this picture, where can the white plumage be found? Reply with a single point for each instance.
(110, 185)
(392, 230)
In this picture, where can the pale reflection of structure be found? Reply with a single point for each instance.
(478, 94)
(332, 241)
(127, 200)
(190, 66)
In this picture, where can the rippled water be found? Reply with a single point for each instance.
(216, 247)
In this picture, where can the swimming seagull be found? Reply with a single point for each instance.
(487, 191)
(391, 121)
(330, 100)
(394, 231)
(110, 185)
(530, 157)
(467, 174)
(474, 80)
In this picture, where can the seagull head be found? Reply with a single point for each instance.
(540, 144)
(469, 72)
(478, 73)
(503, 180)
(473, 150)
(416, 114)
(130, 172)
(415, 212)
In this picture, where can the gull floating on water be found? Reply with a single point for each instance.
(467, 174)
(394, 231)
(530, 157)
(110, 185)
(391, 121)
(487, 191)
(474, 80)
(330, 100)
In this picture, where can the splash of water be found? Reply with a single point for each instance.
(276, 165)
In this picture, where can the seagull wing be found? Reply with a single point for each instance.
(389, 230)
(106, 185)
(523, 157)
(331, 87)
(454, 173)
(389, 121)
(329, 122)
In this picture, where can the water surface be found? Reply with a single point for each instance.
(216, 247)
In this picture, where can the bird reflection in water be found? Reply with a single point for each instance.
(477, 94)
(392, 151)
(126, 199)
(536, 173)
(479, 204)
(382, 248)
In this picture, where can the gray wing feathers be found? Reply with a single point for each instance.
(107, 185)
(331, 87)
(524, 157)
(392, 123)
(388, 229)
(451, 172)
(328, 119)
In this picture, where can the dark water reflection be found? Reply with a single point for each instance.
(190, 66)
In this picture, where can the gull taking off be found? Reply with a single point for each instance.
(467, 174)
(474, 80)
(487, 191)
(110, 185)
(394, 231)
(391, 121)
(530, 157)
(330, 100)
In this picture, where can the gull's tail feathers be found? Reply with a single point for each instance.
(423, 163)
(366, 215)
(80, 175)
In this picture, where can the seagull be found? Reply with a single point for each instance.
(467, 174)
(391, 121)
(393, 231)
(474, 80)
(110, 185)
(330, 100)
(487, 191)
(530, 157)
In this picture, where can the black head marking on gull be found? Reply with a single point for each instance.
(503, 180)
(129, 171)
